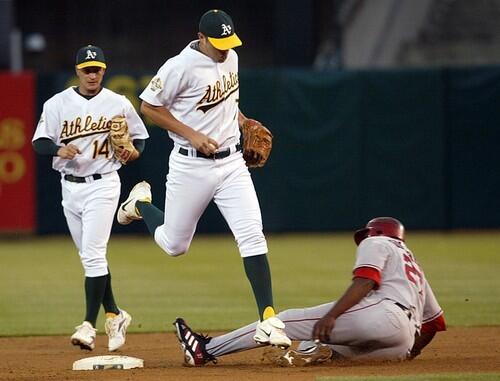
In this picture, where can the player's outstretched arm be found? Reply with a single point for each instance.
(358, 289)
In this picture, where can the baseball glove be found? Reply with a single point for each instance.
(257, 143)
(120, 140)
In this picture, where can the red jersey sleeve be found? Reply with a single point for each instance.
(435, 325)
(368, 273)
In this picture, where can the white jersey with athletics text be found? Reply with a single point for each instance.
(68, 117)
(199, 92)
(400, 277)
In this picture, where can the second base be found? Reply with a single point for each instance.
(108, 362)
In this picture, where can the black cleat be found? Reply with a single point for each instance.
(193, 345)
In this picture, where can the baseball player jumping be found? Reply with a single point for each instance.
(389, 311)
(194, 96)
(74, 128)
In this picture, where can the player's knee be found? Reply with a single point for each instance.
(176, 250)
(95, 266)
(172, 248)
(253, 243)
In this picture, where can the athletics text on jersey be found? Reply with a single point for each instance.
(207, 103)
(68, 117)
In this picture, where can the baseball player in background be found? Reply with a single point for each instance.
(389, 311)
(74, 128)
(194, 96)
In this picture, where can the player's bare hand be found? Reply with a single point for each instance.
(68, 152)
(323, 328)
(203, 143)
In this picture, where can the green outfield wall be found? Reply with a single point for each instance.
(421, 145)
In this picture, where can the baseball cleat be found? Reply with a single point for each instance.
(193, 345)
(314, 355)
(271, 331)
(127, 212)
(84, 336)
(116, 329)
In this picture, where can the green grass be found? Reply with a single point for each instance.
(426, 377)
(41, 279)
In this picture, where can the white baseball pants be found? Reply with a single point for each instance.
(367, 331)
(192, 183)
(89, 209)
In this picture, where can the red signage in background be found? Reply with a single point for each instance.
(17, 171)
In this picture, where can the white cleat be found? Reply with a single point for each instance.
(127, 212)
(84, 336)
(271, 331)
(116, 329)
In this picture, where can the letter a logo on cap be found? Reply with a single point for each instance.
(218, 27)
(226, 30)
(91, 54)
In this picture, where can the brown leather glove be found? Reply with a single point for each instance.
(120, 141)
(257, 143)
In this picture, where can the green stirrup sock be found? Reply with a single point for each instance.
(152, 216)
(259, 275)
(108, 300)
(94, 293)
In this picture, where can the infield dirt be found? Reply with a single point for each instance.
(458, 350)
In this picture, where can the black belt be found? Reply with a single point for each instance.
(77, 179)
(405, 309)
(217, 155)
